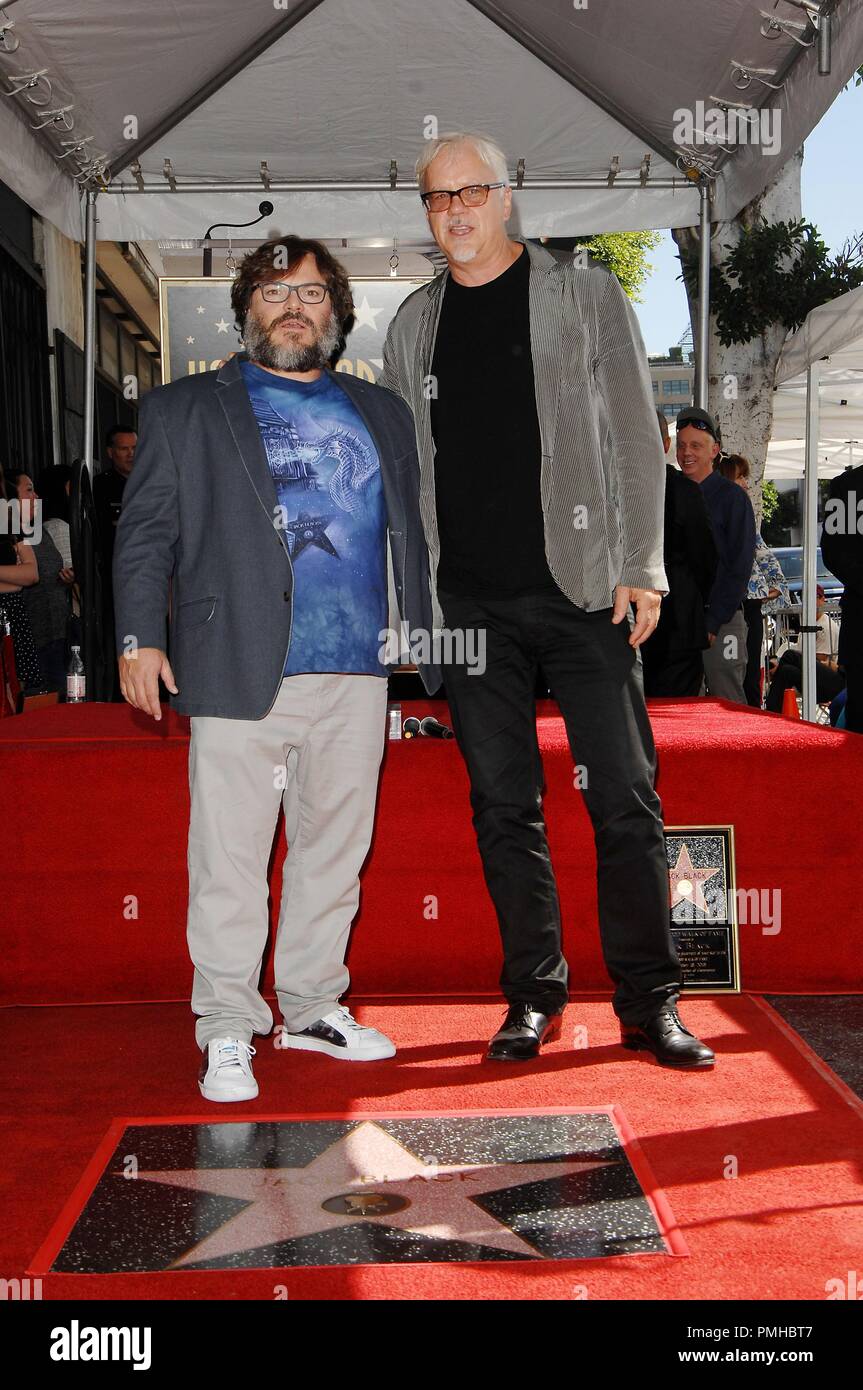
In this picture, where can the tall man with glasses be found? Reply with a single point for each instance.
(541, 494)
(267, 494)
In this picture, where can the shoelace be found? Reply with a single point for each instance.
(345, 1016)
(229, 1054)
(675, 1021)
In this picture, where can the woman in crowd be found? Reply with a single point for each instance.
(18, 572)
(48, 601)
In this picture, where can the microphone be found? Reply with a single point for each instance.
(265, 209)
(411, 728)
(433, 729)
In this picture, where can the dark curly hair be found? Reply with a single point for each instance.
(275, 259)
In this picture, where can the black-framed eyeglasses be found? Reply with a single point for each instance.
(279, 291)
(473, 195)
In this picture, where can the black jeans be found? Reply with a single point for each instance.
(595, 676)
(668, 674)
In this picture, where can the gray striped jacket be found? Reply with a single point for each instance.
(602, 476)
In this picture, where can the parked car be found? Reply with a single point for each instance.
(790, 558)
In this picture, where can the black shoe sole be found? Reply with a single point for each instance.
(636, 1045)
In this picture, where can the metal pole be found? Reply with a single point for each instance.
(90, 329)
(703, 336)
(810, 538)
(624, 182)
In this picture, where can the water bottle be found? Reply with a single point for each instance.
(394, 721)
(76, 680)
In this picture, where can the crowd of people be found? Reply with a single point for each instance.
(40, 600)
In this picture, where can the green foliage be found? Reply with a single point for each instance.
(777, 273)
(776, 529)
(625, 254)
(769, 500)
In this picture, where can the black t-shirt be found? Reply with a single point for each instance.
(486, 433)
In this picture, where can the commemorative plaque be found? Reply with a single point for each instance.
(702, 903)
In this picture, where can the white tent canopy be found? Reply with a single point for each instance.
(155, 119)
(336, 96)
(820, 368)
(833, 336)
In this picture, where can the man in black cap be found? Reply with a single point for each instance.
(672, 656)
(733, 523)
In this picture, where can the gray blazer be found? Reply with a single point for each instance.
(198, 514)
(601, 447)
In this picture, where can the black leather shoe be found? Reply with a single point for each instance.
(668, 1040)
(524, 1031)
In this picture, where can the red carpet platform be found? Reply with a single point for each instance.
(94, 892)
(786, 1226)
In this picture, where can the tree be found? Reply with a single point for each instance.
(625, 253)
(769, 268)
(622, 252)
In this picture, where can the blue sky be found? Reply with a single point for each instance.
(832, 200)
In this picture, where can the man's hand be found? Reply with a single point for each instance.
(139, 679)
(711, 637)
(647, 606)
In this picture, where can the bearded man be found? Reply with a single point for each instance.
(266, 494)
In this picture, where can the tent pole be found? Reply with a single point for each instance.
(701, 347)
(90, 329)
(810, 527)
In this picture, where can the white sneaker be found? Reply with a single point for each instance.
(226, 1071)
(339, 1035)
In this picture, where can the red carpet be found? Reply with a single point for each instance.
(781, 1229)
(95, 910)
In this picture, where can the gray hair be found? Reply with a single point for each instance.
(490, 153)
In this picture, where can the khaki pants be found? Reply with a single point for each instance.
(318, 753)
(725, 662)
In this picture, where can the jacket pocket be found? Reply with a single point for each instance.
(194, 612)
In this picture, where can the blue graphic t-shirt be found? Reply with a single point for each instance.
(328, 483)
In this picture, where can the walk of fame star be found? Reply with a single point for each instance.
(685, 882)
(279, 1193)
(310, 530)
(293, 1203)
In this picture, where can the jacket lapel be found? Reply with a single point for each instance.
(546, 313)
(421, 368)
(233, 397)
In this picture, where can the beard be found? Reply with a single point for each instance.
(260, 343)
(462, 256)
